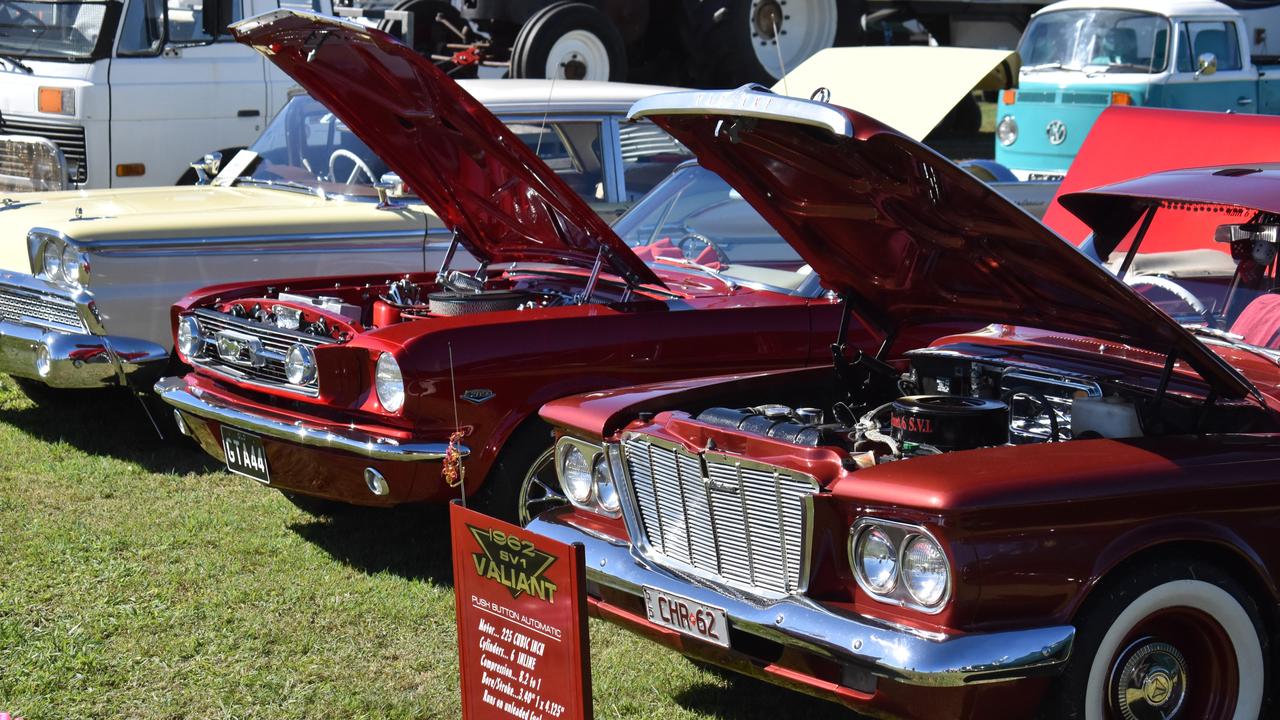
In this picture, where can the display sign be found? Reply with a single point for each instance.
(522, 622)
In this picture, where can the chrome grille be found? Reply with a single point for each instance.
(17, 305)
(68, 138)
(275, 341)
(744, 524)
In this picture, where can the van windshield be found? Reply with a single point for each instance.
(56, 29)
(1097, 41)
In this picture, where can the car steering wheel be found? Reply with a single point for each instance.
(358, 166)
(692, 245)
(1173, 288)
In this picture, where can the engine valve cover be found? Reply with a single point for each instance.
(949, 422)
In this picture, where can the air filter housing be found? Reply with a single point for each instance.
(949, 422)
(450, 304)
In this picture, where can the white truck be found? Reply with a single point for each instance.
(127, 93)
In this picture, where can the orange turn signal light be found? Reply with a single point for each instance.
(1121, 98)
(1009, 97)
(131, 169)
(59, 101)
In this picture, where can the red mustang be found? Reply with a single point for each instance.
(1071, 512)
(350, 389)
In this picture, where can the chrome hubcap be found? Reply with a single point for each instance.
(1149, 681)
(540, 490)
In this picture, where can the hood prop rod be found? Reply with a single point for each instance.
(864, 368)
(590, 288)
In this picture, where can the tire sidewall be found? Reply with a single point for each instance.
(539, 35)
(1081, 693)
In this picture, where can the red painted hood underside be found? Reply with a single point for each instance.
(481, 180)
(910, 237)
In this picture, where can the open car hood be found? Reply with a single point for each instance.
(904, 234)
(910, 88)
(478, 177)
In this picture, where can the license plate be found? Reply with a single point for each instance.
(245, 454)
(686, 616)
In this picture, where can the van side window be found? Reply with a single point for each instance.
(1184, 51)
(186, 22)
(1218, 38)
(142, 31)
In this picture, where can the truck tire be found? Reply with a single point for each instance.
(569, 40)
(731, 42)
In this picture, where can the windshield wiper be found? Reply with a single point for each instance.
(15, 61)
(284, 184)
(685, 262)
(1048, 66)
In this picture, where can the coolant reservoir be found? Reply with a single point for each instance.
(1111, 417)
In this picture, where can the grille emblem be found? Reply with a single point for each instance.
(716, 484)
(478, 395)
(1056, 131)
(239, 349)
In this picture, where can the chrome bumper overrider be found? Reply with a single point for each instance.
(175, 391)
(64, 357)
(889, 652)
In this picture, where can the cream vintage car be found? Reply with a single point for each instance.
(84, 300)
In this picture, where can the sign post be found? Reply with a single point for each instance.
(522, 622)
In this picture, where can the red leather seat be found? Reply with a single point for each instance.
(1259, 323)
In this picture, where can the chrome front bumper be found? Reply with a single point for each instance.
(889, 652)
(176, 392)
(62, 356)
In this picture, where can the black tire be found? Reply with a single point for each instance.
(720, 36)
(1162, 624)
(601, 43)
(321, 507)
(501, 494)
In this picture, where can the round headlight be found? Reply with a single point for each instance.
(300, 365)
(190, 340)
(925, 571)
(606, 492)
(1007, 130)
(51, 260)
(389, 383)
(876, 560)
(575, 476)
(71, 265)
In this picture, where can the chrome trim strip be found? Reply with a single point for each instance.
(888, 651)
(174, 390)
(207, 243)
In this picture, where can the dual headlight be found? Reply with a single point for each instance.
(587, 475)
(299, 360)
(900, 564)
(61, 262)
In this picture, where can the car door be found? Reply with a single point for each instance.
(176, 93)
(1232, 87)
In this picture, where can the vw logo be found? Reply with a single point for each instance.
(1057, 132)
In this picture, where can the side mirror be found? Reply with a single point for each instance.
(215, 16)
(390, 188)
(1206, 64)
(207, 167)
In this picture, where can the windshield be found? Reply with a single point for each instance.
(55, 30)
(694, 221)
(1096, 40)
(1210, 267)
(307, 148)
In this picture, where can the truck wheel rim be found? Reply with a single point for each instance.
(578, 55)
(799, 28)
(540, 490)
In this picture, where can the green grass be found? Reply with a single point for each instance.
(139, 580)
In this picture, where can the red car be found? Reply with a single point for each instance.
(1071, 512)
(351, 389)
